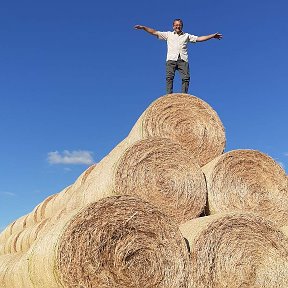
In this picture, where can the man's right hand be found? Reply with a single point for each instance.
(147, 29)
(139, 27)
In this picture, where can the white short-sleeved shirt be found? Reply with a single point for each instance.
(176, 44)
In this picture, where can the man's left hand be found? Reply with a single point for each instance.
(218, 36)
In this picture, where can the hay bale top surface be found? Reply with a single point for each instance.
(187, 120)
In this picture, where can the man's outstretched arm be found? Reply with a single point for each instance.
(208, 37)
(147, 29)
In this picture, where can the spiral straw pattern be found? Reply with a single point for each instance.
(187, 120)
(236, 250)
(247, 180)
(119, 241)
(159, 171)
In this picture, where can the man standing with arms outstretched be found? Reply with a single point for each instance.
(177, 54)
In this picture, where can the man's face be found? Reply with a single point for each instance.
(177, 27)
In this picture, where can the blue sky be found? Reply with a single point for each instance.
(75, 76)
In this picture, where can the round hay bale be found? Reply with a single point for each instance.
(157, 170)
(59, 202)
(14, 266)
(161, 172)
(285, 230)
(44, 210)
(40, 211)
(7, 246)
(38, 214)
(12, 269)
(28, 236)
(7, 262)
(187, 120)
(4, 234)
(13, 228)
(83, 177)
(21, 242)
(118, 241)
(247, 180)
(236, 250)
(180, 117)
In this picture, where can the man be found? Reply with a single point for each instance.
(177, 55)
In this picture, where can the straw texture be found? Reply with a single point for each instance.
(182, 118)
(22, 241)
(14, 227)
(15, 268)
(83, 177)
(187, 120)
(46, 209)
(14, 265)
(156, 170)
(116, 242)
(236, 250)
(159, 170)
(8, 264)
(284, 229)
(162, 173)
(247, 180)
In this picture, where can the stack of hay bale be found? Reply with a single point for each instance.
(138, 217)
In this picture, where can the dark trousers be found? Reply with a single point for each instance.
(183, 68)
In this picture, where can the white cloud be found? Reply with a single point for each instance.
(73, 157)
(8, 193)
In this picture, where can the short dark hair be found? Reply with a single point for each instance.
(180, 20)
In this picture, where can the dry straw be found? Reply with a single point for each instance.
(284, 229)
(26, 221)
(44, 210)
(118, 241)
(83, 177)
(236, 250)
(161, 172)
(183, 118)
(7, 263)
(156, 170)
(247, 180)
(187, 120)
(14, 227)
(22, 241)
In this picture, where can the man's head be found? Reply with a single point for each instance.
(178, 25)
